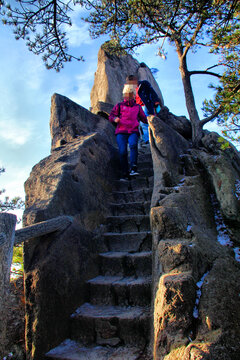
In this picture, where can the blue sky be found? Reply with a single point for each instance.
(26, 87)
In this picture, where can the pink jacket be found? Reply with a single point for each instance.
(130, 115)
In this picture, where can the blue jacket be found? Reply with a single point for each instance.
(148, 95)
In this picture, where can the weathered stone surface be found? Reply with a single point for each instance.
(73, 181)
(185, 229)
(219, 316)
(69, 121)
(179, 123)
(128, 223)
(46, 227)
(132, 323)
(110, 77)
(137, 208)
(103, 109)
(126, 241)
(120, 290)
(220, 309)
(173, 308)
(71, 350)
(193, 275)
(7, 231)
(132, 196)
(166, 145)
(225, 179)
(124, 263)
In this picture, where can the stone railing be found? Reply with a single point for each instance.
(8, 238)
(46, 227)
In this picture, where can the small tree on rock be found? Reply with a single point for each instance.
(9, 204)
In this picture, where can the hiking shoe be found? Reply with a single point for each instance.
(133, 173)
(144, 144)
(124, 178)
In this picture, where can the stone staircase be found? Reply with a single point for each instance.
(114, 323)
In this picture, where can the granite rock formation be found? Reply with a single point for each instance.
(110, 77)
(195, 228)
(194, 220)
(74, 180)
(69, 121)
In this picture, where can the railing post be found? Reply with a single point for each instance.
(7, 234)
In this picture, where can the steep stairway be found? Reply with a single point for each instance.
(114, 323)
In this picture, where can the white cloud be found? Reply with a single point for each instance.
(78, 35)
(13, 179)
(83, 84)
(15, 133)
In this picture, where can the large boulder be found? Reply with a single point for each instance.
(167, 145)
(179, 123)
(74, 180)
(69, 121)
(195, 307)
(110, 77)
(7, 231)
(225, 180)
(195, 204)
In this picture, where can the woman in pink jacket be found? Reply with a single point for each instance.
(127, 115)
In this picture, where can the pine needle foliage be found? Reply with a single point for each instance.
(9, 204)
(187, 24)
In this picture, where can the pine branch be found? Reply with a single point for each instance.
(220, 108)
(204, 72)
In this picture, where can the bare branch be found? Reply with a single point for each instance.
(220, 108)
(211, 117)
(204, 72)
(192, 40)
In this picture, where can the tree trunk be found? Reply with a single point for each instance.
(197, 131)
(7, 230)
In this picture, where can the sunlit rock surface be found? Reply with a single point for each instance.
(195, 235)
(110, 77)
(195, 228)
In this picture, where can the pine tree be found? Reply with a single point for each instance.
(187, 24)
(9, 204)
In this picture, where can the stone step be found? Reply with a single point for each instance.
(128, 223)
(132, 196)
(72, 350)
(144, 157)
(126, 264)
(135, 183)
(131, 208)
(129, 241)
(145, 165)
(111, 325)
(119, 290)
(145, 171)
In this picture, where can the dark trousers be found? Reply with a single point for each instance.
(123, 140)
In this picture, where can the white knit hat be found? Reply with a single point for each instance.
(129, 88)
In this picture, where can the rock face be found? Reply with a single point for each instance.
(110, 77)
(70, 121)
(75, 181)
(195, 211)
(7, 229)
(195, 225)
